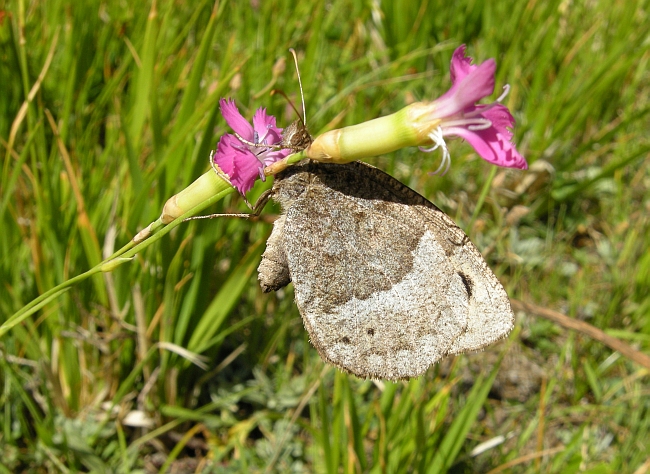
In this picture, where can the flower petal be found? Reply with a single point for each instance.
(471, 88)
(235, 120)
(461, 65)
(272, 156)
(265, 128)
(500, 117)
(492, 146)
(240, 165)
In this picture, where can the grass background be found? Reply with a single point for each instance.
(109, 108)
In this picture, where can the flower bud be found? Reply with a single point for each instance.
(206, 186)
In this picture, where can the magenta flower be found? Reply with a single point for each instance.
(485, 127)
(242, 162)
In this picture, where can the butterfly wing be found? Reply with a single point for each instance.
(385, 282)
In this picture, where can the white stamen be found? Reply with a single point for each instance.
(472, 121)
(481, 125)
(439, 142)
(506, 89)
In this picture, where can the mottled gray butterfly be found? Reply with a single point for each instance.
(386, 283)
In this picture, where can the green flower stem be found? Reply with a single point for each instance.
(124, 254)
(382, 135)
(119, 252)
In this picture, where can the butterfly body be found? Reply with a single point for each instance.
(296, 137)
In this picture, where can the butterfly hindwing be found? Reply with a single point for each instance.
(386, 283)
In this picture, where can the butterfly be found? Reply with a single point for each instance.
(386, 283)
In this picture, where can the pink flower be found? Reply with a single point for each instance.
(241, 161)
(485, 127)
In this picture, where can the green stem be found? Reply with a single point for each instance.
(129, 250)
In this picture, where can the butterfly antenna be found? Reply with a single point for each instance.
(302, 96)
(283, 94)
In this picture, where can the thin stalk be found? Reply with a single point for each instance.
(126, 252)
